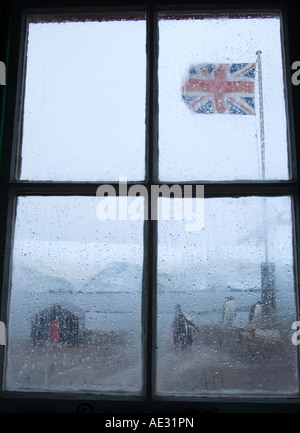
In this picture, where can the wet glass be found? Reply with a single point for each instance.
(216, 122)
(84, 107)
(226, 300)
(75, 303)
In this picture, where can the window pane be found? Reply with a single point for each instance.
(234, 283)
(75, 305)
(84, 113)
(209, 98)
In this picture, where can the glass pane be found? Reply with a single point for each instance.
(226, 300)
(84, 112)
(75, 304)
(213, 116)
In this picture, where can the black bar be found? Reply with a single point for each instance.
(152, 172)
(67, 403)
(211, 189)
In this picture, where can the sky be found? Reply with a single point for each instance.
(61, 236)
(84, 120)
(220, 146)
(84, 114)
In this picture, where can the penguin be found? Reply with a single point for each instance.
(229, 311)
(178, 328)
(256, 314)
(182, 333)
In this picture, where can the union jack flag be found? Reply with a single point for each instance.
(220, 88)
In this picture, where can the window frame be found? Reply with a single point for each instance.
(10, 189)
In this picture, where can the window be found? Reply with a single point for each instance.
(86, 79)
(95, 72)
(166, 300)
(184, 45)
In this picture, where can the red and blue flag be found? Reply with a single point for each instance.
(220, 88)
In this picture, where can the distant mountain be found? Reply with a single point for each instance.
(127, 277)
(32, 280)
(116, 277)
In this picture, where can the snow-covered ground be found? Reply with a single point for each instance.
(111, 305)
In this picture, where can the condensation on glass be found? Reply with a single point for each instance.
(214, 117)
(84, 106)
(75, 305)
(226, 300)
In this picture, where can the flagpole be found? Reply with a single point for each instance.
(261, 116)
(267, 268)
(262, 149)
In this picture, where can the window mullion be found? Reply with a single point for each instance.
(149, 304)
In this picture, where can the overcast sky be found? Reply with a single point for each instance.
(84, 115)
(84, 119)
(220, 146)
(62, 237)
